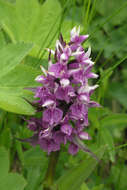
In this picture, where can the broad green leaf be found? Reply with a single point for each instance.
(2, 40)
(36, 62)
(108, 72)
(111, 29)
(36, 163)
(84, 187)
(35, 157)
(11, 55)
(13, 101)
(118, 176)
(34, 22)
(16, 77)
(66, 27)
(73, 178)
(21, 76)
(115, 46)
(19, 149)
(122, 181)
(13, 181)
(12, 91)
(106, 7)
(107, 138)
(12, 1)
(4, 162)
(115, 173)
(119, 92)
(98, 187)
(6, 138)
(114, 119)
(33, 173)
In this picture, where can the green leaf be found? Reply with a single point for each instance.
(34, 173)
(119, 92)
(73, 178)
(15, 76)
(35, 157)
(21, 76)
(4, 162)
(122, 178)
(98, 187)
(6, 138)
(34, 22)
(11, 55)
(19, 149)
(12, 100)
(108, 140)
(84, 187)
(2, 39)
(13, 181)
(12, 91)
(36, 163)
(114, 119)
(118, 176)
(107, 7)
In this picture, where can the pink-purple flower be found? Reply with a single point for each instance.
(63, 97)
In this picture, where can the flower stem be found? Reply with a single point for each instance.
(49, 177)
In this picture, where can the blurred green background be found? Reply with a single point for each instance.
(27, 27)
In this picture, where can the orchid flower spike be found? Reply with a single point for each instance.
(64, 97)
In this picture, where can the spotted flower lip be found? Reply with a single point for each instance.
(63, 96)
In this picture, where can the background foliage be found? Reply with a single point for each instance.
(26, 29)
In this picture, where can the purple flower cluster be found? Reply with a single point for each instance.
(64, 96)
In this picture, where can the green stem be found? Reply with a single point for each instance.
(49, 177)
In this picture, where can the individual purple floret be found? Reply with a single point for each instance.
(63, 96)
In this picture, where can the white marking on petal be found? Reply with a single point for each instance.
(72, 71)
(84, 136)
(51, 73)
(87, 88)
(78, 31)
(81, 90)
(56, 87)
(93, 87)
(89, 62)
(87, 54)
(63, 57)
(43, 70)
(83, 98)
(49, 63)
(86, 36)
(94, 75)
(73, 32)
(38, 78)
(72, 94)
(64, 82)
(50, 50)
(78, 52)
(48, 103)
(67, 50)
(58, 44)
(48, 129)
